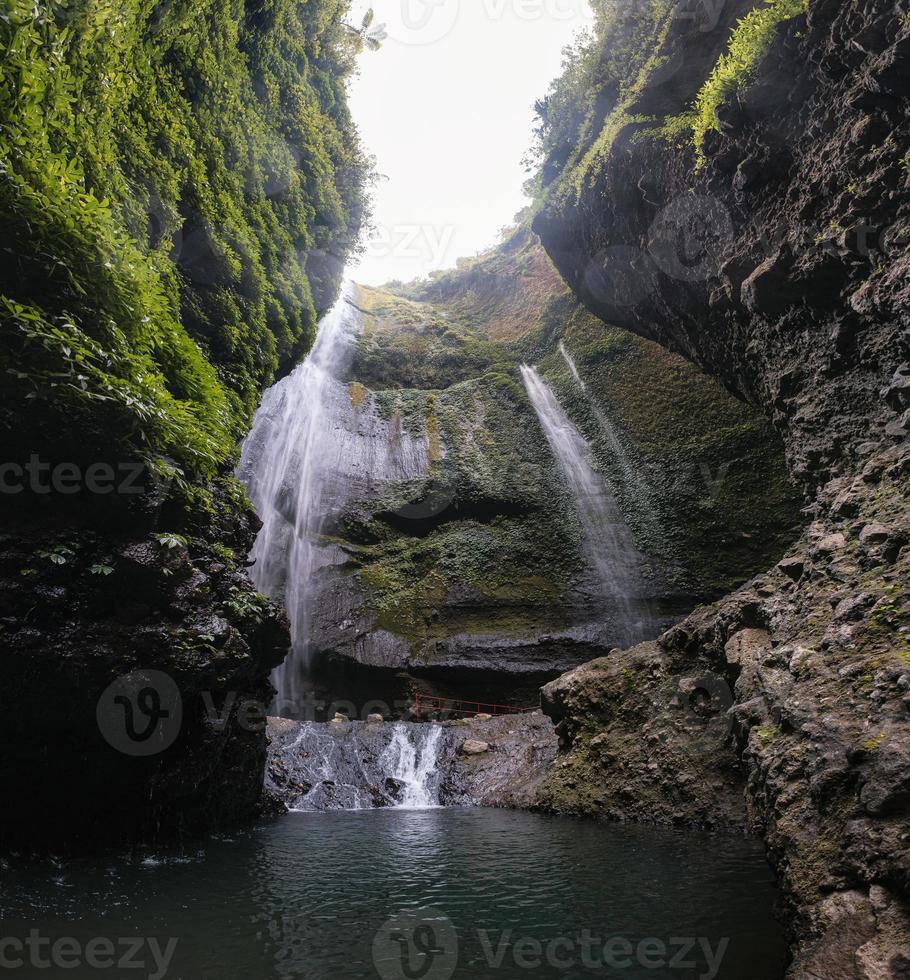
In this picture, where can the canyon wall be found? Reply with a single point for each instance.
(470, 576)
(763, 234)
(182, 187)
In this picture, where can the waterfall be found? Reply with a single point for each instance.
(414, 765)
(631, 475)
(316, 444)
(357, 765)
(570, 364)
(287, 466)
(607, 537)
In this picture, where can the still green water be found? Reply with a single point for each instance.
(416, 894)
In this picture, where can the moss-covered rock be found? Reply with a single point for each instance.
(477, 564)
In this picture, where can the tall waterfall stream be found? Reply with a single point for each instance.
(311, 448)
(607, 538)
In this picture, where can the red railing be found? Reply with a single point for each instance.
(428, 704)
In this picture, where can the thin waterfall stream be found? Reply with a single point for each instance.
(631, 475)
(607, 537)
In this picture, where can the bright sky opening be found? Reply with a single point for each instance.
(446, 107)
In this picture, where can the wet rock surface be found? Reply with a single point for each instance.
(493, 762)
(80, 609)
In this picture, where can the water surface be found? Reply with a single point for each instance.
(470, 893)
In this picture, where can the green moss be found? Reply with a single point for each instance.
(766, 734)
(358, 393)
(174, 180)
(749, 43)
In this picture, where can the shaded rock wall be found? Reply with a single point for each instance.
(774, 265)
(81, 609)
(470, 579)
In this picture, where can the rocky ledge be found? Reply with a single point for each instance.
(344, 764)
(787, 703)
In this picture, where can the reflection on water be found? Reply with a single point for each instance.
(421, 894)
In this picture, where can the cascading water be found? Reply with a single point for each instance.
(316, 444)
(414, 766)
(570, 364)
(287, 464)
(357, 765)
(631, 475)
(607, 537)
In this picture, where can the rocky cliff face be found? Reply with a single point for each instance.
(168, 249)
(467, 575)
(774, 255)
(135, 676)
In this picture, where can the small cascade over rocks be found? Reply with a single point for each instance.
(608, 539)
(359, 765)
(483, 761)
(413, 764)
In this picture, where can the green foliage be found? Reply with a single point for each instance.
(607, 71)
(58, 555)
(169, 540)
(223, 553)
(586, 106)
(749, 42)
(180, 186)
(246, 605)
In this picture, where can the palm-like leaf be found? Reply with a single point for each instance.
(368, 18)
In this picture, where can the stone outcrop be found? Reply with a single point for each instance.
(179, 610)
(797, 298)
(497, 761)
(463, 573)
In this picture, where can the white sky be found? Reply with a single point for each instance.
(446, 108)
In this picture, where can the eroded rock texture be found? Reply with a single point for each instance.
(781, 266)
(81, 608)
(466, 572)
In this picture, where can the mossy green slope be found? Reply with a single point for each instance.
(700, 477)
(485, 540)
(181, 184)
